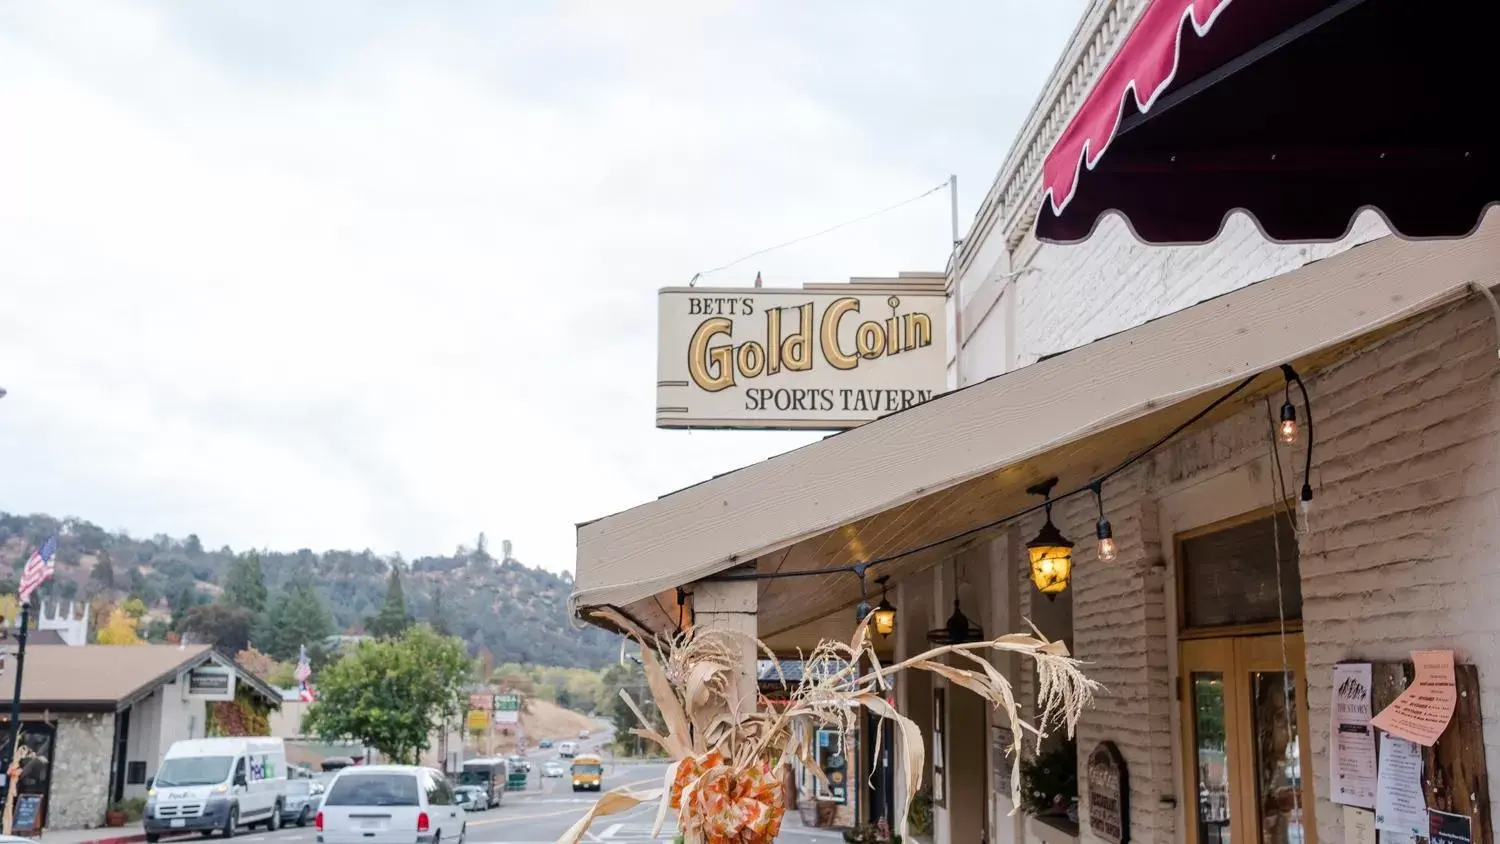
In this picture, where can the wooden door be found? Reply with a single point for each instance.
(1246, 758)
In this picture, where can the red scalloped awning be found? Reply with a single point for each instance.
(1300, 113)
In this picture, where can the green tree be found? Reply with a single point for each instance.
(103, 575)
(226, 628)
(392, 620)
(299, 618)
(134, 607)
(389, 692)
(439, 611)
(245, 584)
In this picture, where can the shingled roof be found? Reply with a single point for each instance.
(109, 678)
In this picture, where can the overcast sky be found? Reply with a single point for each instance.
(362, 274)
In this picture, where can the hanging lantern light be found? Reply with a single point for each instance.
(1051, 553)
(885, 613)
(958, 629)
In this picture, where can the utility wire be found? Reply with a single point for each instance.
(924, 194)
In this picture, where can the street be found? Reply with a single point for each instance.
(540, 816)
(549, 806)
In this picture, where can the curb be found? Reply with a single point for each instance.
(118, 839)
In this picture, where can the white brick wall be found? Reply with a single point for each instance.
(1400, 555)
(1111, 282)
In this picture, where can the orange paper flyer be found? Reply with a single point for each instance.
(1422, 712)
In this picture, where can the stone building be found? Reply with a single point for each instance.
(98, 718)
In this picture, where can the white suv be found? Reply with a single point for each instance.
(390, 804)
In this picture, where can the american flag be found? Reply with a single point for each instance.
(302, 673)
(38, 569)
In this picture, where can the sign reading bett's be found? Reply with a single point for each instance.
(823, 357)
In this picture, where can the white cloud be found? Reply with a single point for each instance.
(382, 275)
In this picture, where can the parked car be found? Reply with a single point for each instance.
(552, 769)
(544, 743)
(302, 798)
(474, 798)
(390, 804)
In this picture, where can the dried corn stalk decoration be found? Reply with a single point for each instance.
(728, 757)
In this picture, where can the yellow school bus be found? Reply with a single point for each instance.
(588, 772)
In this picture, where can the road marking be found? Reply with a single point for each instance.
(509, 818)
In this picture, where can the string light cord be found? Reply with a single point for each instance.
(1278, 506)
(859, 568)
(831, 229)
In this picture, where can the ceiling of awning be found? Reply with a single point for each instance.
(965, 459)
(1301, 113)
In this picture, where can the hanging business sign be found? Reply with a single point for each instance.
(211, 682)
(827, 357)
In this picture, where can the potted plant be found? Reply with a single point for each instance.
(1049, 783)
(919, 815)
(115, 814)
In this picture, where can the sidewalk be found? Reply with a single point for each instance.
(127, 834)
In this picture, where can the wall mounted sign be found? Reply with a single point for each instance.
(824, 357)
(211, 682)
(1109, 794)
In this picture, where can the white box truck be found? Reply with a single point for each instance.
(217, 784)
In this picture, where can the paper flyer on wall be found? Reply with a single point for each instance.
(1359, 826)
(1400, 805)
(1351, 756)
(1422, 712)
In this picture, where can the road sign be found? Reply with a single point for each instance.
(507, 709)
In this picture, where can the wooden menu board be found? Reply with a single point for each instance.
(1454, 775)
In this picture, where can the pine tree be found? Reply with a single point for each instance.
(245, 584)
(103, 574)
(439, 611)
(392, 620)
(299, 618)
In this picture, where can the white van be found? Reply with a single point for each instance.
(567, 750)
(217, 784)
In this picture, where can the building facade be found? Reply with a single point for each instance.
(1150, 382)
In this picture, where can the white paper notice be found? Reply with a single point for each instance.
(1359, 826)
(1352, 752)
(1400, 805)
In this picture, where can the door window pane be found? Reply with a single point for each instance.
(1211, 757)
(1278, 757)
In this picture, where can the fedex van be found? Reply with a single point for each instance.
(217, 784)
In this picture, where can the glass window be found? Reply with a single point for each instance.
(194, 770)
(1210, 756)
(1229, 575)
(373, 789)
(1278, 757)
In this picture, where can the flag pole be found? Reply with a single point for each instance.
(14, 737)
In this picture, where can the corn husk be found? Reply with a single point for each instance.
(724, 752)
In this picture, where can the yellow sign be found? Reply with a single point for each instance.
(829, 356)
(479, 719)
